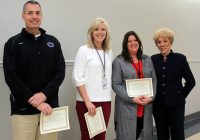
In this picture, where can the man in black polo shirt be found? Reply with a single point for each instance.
(34, 69)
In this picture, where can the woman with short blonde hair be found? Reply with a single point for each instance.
(169, 104)
(164, 32)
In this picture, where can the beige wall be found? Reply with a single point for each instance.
(68, 21)
(67, 97)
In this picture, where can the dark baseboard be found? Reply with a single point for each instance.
(192, 119)
(192, 125)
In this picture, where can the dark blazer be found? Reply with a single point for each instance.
(171, 91)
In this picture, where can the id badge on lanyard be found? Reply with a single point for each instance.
(104, 82)
(104, 79)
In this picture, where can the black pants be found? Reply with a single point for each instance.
(139, 126)
(169, 122)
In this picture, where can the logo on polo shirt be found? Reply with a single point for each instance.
(50, 44)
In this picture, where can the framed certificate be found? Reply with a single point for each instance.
(95, 124)
(139, 87)
(57, 121)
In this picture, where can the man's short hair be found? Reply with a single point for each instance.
(30, 2)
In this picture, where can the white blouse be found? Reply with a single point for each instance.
(88, 70)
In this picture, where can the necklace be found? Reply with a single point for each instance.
(137, 67)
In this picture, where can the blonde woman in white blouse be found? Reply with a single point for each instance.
(92, 75)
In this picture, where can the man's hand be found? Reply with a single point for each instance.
(45, 108)
(37, 99)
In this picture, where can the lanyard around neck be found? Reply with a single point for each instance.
(103, 62)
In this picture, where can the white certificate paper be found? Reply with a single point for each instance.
(57, 121)
(95, 124)
(139, 87)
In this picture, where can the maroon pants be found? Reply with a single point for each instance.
(81, 110)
